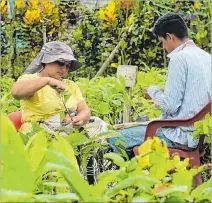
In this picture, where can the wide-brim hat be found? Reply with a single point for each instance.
(51, 52)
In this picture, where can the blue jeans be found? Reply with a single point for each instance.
(135, 136)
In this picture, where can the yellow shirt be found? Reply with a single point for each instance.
(46, 103)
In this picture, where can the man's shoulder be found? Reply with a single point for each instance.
(191, 53)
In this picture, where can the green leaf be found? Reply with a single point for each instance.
(36, 149)
(73, 177)
(56, 184)
(183, 178)
(203, 191)
(62, 115)
(117, 159)
(108, 134)
(128, 182)
(16, 171)
(142, 198)
(175, 198)
(60, 144)
(103, 180)
(104, 108)
(58, 197)
(181, 189)
(15, 196)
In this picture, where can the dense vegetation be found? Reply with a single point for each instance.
(39, 167)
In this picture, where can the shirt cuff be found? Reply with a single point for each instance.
(152, 91)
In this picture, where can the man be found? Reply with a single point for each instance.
(188, 85)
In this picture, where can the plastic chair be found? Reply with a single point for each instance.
(183, 151)
(16, 117)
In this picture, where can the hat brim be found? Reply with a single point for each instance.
(64, 57)
(75, 65)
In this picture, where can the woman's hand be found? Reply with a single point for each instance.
(82, 117)
(77, 121)
(57, 84)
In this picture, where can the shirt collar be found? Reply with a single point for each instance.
(179, 48)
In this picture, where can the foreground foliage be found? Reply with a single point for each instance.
(160, 179)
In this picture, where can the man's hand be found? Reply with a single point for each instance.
(146, 95)
(155, 102)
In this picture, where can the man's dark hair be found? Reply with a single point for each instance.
(171, 23)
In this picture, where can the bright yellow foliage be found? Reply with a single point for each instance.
(47, 7)
(108, 14)
(32, 16)
(33, 3)
(3, 7)
(197, 5)
(154, 144)
(19, 4)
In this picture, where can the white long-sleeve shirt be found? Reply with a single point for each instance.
(187, 90)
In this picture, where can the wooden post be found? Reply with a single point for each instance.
(129, 73)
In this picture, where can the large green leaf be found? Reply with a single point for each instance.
(57, 198)
(131, 181)
(104, 108)
(73, 177)
(15, 170)
(203, 192)
(36, 149)
(116, 158)
(173, 190)
(60, 144)
(15, 166)
(103, 180)
(15, 196)
(9, 134)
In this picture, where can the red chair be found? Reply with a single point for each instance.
(15, 117)
(184, 151)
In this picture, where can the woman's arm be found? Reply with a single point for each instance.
(23, 89)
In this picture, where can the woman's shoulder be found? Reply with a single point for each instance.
(28, 76)
(72, 86)
(70, 83)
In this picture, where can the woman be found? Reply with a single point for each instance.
(39, 90)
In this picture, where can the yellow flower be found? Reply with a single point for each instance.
(3, 7)
(33, 3)
(19, 4)
(197, 5)
(154, 144)
(111, 7)
(108, 14)
(32, 16)
(47, 7)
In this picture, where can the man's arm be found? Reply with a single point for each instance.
(171, 99)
